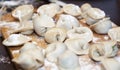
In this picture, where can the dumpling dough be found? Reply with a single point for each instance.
(80, 32)
(79, 46)
(23, 12)
(85, 7)
(103, 50)
(93, 15)
(96, 13)
(54, 50)
(49, 9)
(102, 26)
(9, 25)
(42, 23)
(67, 22)
(24, 26)
(55, 35)
(72, 9)
(30, 58)
(68, 61)
(111, 64)
(16, 39)
(114, 34)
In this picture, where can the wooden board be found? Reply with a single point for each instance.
(106, 5)
(97, 38)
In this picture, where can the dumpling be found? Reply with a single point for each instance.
(111, 46)
(68, 61)
(80, 32)
(9, 25)
(49, 9)
(23, 12)
(67, 22)
(102, 26)
(54, 50)
(42, 23)
(30, 58)
(24, 26)
(85, 7)
(93, 15)
(114, 34)
(79, 46)
(16, 39)
(111, 64)
(72, 9)
(96, 13)
(55, 35)
(103, 50)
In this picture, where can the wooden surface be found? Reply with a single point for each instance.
(111, 8)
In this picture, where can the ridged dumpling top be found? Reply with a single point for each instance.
(102, 26)
(67, 22)
(80, 32)
(16, 40)
(23, 12)
(49, 9)
(72, 9)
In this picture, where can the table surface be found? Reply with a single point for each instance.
(5, 63)
(111, 7)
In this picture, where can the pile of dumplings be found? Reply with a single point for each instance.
(65, 37)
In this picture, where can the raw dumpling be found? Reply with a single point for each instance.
(111, 64)
(42, 23)
(96, 13)
(54, 50)
(55, 35)
(72, 9)
(67, 22)
(112, 46)
(103, 50)
(68, 61)
(23, 12)
(85, 7)
(95, 52)
(80, 32)
(30, 58)
(114, 34)
(16, 39)
(24, 26)
(93, 15)
(79, 46)
(102, 26)
(49, 9)
(9, 25)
